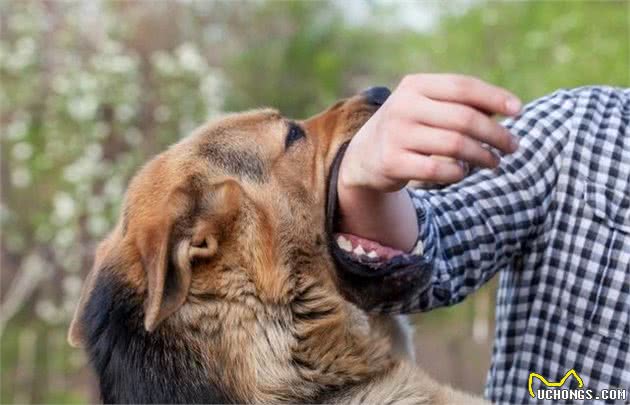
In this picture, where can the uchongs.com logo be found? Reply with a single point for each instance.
(556, 391)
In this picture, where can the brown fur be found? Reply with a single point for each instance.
(222, 236)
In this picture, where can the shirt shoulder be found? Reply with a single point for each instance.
(589, 100)
(567, 107)
(599, 92)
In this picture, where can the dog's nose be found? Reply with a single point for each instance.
(376, 95)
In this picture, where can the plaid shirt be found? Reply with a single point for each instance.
(554, 219)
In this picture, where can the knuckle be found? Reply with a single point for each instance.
(454, 145)
(419, 78)
(412, 80)
(499, 100)
(467, 119)
(409, 79)
(462, 84)
(397, 110)
(429, 169)
(397, 130)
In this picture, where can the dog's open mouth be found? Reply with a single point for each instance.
(364, 249)
(359, 248)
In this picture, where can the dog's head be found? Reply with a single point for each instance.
(232, 218)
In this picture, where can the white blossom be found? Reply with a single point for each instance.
(17, 129)
(22, 151)
(47, 311)
(163, 62)
(190, 59)
(64, 206)
(82, 108)
(21, 177)
(97, 225)
(64, 237)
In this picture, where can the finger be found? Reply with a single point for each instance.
(414, 166)
(444, 142)
(466, 120)
(467, 90)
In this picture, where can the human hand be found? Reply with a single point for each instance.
(427, 115)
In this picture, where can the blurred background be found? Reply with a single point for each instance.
(90, 89)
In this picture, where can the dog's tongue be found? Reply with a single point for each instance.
(365, 248)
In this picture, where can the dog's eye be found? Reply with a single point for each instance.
(295, 133)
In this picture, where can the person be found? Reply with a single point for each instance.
(546, 205)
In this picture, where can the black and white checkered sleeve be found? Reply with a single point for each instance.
(481, 225)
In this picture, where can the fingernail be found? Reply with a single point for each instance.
(513, 105)
(514, 141)
(464, 166)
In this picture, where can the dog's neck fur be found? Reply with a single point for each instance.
(317, 349)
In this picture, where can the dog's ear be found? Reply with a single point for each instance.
(166, 251)
(168, 257)
(76, 332)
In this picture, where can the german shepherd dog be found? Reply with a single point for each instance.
(217, 284)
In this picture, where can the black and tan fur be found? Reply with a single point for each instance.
(217, 284)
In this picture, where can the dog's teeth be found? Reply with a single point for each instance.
(372, 254)
(344, 244)
(359, 251)
(419, 249)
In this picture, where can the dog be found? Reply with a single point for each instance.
(217, 284)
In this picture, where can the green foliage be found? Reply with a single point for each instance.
(534, 48)
(300, 57)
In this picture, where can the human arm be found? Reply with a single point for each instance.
(472, 229)
(445, 115)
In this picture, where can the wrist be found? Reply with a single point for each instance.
(388, 218)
